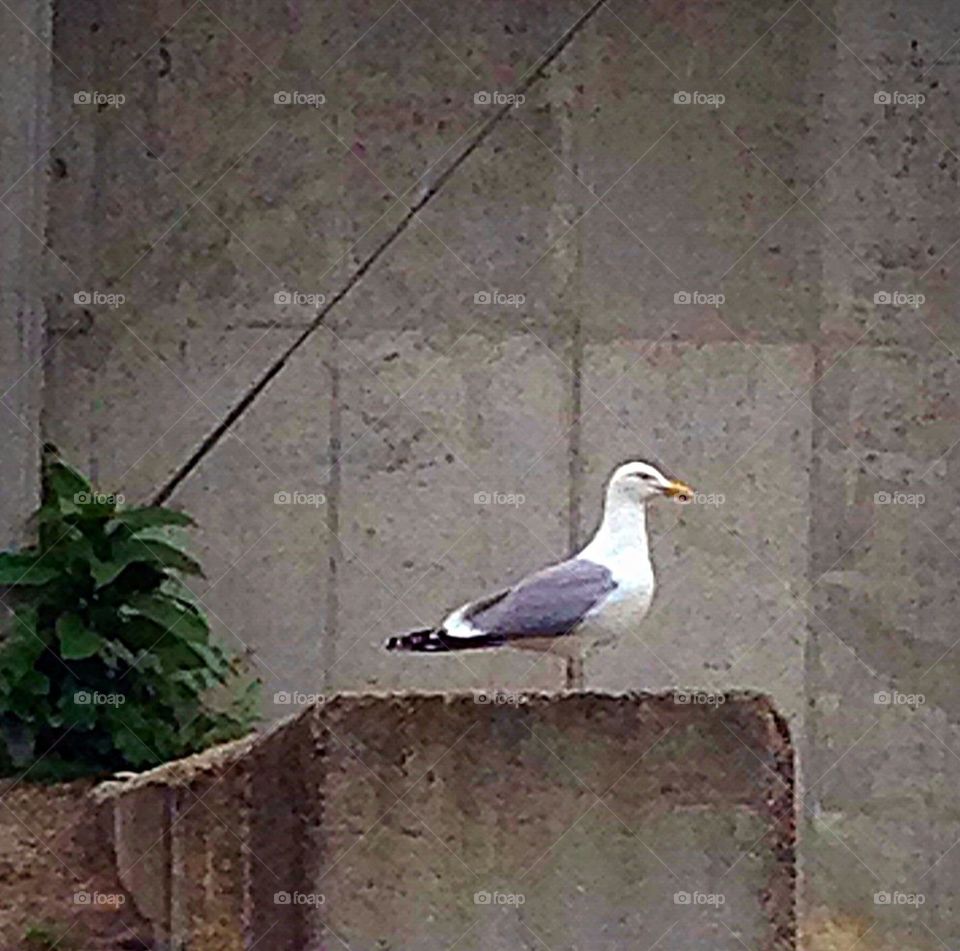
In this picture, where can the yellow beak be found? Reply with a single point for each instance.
(678, 490)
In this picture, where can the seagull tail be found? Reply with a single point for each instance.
(426, 639)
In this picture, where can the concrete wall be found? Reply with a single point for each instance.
(25, 29)
(437, 822)
(599, 199)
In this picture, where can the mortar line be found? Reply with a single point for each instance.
(247, 400)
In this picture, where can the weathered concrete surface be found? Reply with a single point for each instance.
(732, 564)
(882, 827)
(798, 399)
(387, 821)
(24, 138)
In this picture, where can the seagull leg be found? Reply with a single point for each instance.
(574, 671)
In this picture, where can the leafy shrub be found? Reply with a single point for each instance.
(107, 662)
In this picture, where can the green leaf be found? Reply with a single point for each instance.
(172, 616)
(115, 653)
(197, 680)
(34, 682)
(130, 551)
(77, 641)
(77, 707)
(213, 657)
(154, 516)
(22, 646)
(141, 629)
(25, 568)
(174, 588)
(64, 482)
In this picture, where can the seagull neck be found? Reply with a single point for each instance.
(622, 532)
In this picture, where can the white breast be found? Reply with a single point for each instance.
(623, 610)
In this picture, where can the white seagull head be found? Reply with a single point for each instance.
(636, 483)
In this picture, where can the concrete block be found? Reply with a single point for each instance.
(141, 838)
(210, 862)
(421, 821)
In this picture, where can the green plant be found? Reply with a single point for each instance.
(107, 661)
(46, 936)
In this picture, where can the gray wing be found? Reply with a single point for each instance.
(548, 603)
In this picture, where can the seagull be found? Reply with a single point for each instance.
(574, 606)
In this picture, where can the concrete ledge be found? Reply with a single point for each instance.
(426, 821)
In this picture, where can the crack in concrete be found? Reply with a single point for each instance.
(247, 400)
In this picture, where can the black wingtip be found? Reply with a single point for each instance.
(427, 639)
